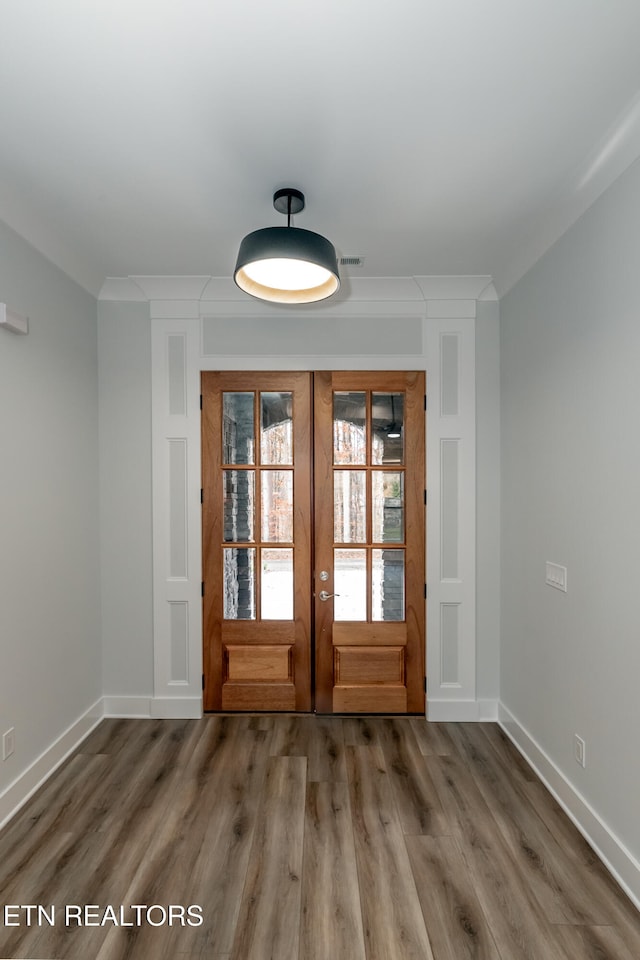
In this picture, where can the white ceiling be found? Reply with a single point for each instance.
(429, 136)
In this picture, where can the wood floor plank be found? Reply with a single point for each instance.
(563, 890)
(433, 738)
(261, 722)
(77, 798)
(563, 829)
(595, 943)
(358, 731)
(114, 735)
(202, 956)
(394, 927)
(506, 749)
(269, 920)
(183, 812)
(331, 914)
(417, 800)
(201, 851)
(457, 926)
(64, 805)
(326, 752)
(590, 876)
(615, 904)
(290, 736)
(320, 739)
(519, 927)
(100, 861)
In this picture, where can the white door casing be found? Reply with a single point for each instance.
(435, 333)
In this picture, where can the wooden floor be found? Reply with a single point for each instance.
(305, 838)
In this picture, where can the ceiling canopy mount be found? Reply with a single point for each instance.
(289, 202)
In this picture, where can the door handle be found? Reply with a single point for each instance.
(327, 596)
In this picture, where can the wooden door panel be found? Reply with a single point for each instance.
(258, 697)
(369, 634)
(365, 698)
(367, 665)
(258, 662)
(373, 662)
(251, 660)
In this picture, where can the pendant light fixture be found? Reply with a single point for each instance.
(287, 264)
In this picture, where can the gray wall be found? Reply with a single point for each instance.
(570, 360)
(124, 337)
(49, 594)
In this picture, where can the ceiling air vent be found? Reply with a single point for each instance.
(351, 261)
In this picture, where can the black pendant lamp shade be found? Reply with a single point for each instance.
(287, 264)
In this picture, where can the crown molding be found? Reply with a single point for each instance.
(353, 290)
(453, 287)
(121, 288)
(489, 293)
(172, 288)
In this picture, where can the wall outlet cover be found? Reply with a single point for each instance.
(8, 743)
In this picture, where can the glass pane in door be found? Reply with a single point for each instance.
(350, 506)
(276, 593)
(349, 427)
(238, 445)
(238, 500)
(350, 581)
(387, 506)
(276, 428)
(239, 580)
(387, 585)
(387, 428)
(277, 506)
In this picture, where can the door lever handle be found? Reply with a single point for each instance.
(327, 596)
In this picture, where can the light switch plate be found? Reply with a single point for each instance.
(556, 576)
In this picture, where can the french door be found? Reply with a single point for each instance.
(313, 541)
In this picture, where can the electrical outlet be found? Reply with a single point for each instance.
(580, 751)
(8, 743)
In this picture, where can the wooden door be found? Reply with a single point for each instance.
(256, 516)
(369, 576)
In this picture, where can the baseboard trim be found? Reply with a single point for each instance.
(462, 711)
(131, 708)
(619, 861)
(176, 708)
(25, 785)
(158, 708)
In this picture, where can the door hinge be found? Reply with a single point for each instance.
(202, 496)
(425, 498)
(201, 402)
(425, 591)
(425, 401)
(203, 681)
(425, 685)
(202, 588)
